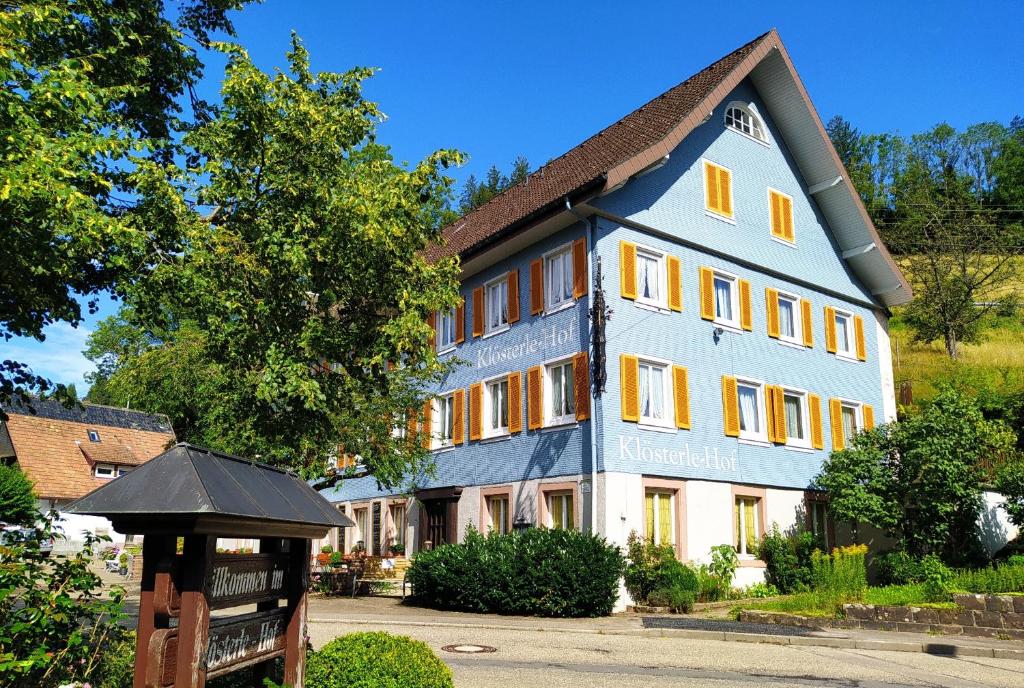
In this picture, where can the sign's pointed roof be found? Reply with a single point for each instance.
(614, 155)
(193, 485)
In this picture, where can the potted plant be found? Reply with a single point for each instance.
(335, 559)
(325, 555)
(398, 549)
(123, 561)
(359, 549)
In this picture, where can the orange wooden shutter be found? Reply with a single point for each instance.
(675, 288)
(629, 374)
(806, 325)
(774, 200)
(787, 218)
(814, 411)
(769, 411)
(730, 406)
(627, 269)
(425, 429)
(711, 201)
(581, 382)
(869, 416)
(779, 411)
(513, 296)
(858, 331)
(534, 397)
(681, 392)
(707, 294)
(746, 316)
(459, 420)
(460, 322)
(515, 402)
(835, 417)
(771, 302)
(476, 411)
(478, 311)
(536, 286)
(725, 191)
(432, 321)
(579, 268)
(412, 422)
(830, 329)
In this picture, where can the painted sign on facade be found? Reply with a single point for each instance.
(643, 450)
(552, 338)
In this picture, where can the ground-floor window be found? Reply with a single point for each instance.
(498, 513)
(747, 525)
(659, 517)
(818, 522)
(560, 510)
(361, 519)
(396, 512)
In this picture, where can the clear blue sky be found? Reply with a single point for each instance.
(501, 79)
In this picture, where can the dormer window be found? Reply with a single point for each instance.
(94, 436)
(743, 120)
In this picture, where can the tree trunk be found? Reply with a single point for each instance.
(952, 345)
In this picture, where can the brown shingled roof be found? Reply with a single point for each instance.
(587, 163)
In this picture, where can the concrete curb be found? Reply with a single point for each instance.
(932, 648)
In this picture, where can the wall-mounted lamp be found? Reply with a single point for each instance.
(717, 333)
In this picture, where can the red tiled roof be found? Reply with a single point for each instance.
(587, 163)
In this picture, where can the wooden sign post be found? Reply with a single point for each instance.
(179, 643)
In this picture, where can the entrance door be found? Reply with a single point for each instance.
(436, 531)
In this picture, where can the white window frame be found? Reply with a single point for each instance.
(109, 471)
(488, 431)
(549, 496)
(668, 399)
(400, 429)
(94, 435)
(805, 419)
(437, 439)
(444, 346)
(660, 494)
(756, 122)
(563, 252)
(734, 299)
(551, 420)
(742, 544)
(490, 329)
(762, 414)
(858, 413)
(851, 352)
(660, 303)
(798, 321)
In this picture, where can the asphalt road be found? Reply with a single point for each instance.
(563, 658)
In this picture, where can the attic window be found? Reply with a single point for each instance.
(743, 120)
(94, 436)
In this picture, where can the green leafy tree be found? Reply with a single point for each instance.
(476, 193)
(301, 299)
(89, 111)
(17, 499)
(1010, 483)
(919, 480)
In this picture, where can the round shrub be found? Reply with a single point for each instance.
(376, 660)
(538, 572)
(898, 568)
(673, 574)
(676, 599)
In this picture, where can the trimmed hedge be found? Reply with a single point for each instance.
(376, 660)
(537, 572)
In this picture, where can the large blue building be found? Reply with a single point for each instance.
(748, 294)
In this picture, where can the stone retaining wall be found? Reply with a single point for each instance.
(990, 616)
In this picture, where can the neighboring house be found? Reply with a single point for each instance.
(749, 296)
(70, 452)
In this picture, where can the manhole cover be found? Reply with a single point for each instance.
(468, 649)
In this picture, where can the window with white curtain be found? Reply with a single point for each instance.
(561, 392)
(654, 393)
(844, 334)
(852, 418)
(443, 421)
(497, 407)
(496, 309)
(446, 330)
(651, 278)
(752, 415)
(727, 297)
(797, 421)
(558, 277)
(790, 329)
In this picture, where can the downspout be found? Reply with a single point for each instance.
(591, 224)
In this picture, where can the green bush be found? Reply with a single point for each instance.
(676, 599)
(840, 577)
(788, 559)
(17, 501)
(674, 574)
(376, 660)
(898, 568)
(761, 590)
(644, 562)
(537, 572)
(1002, 578)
